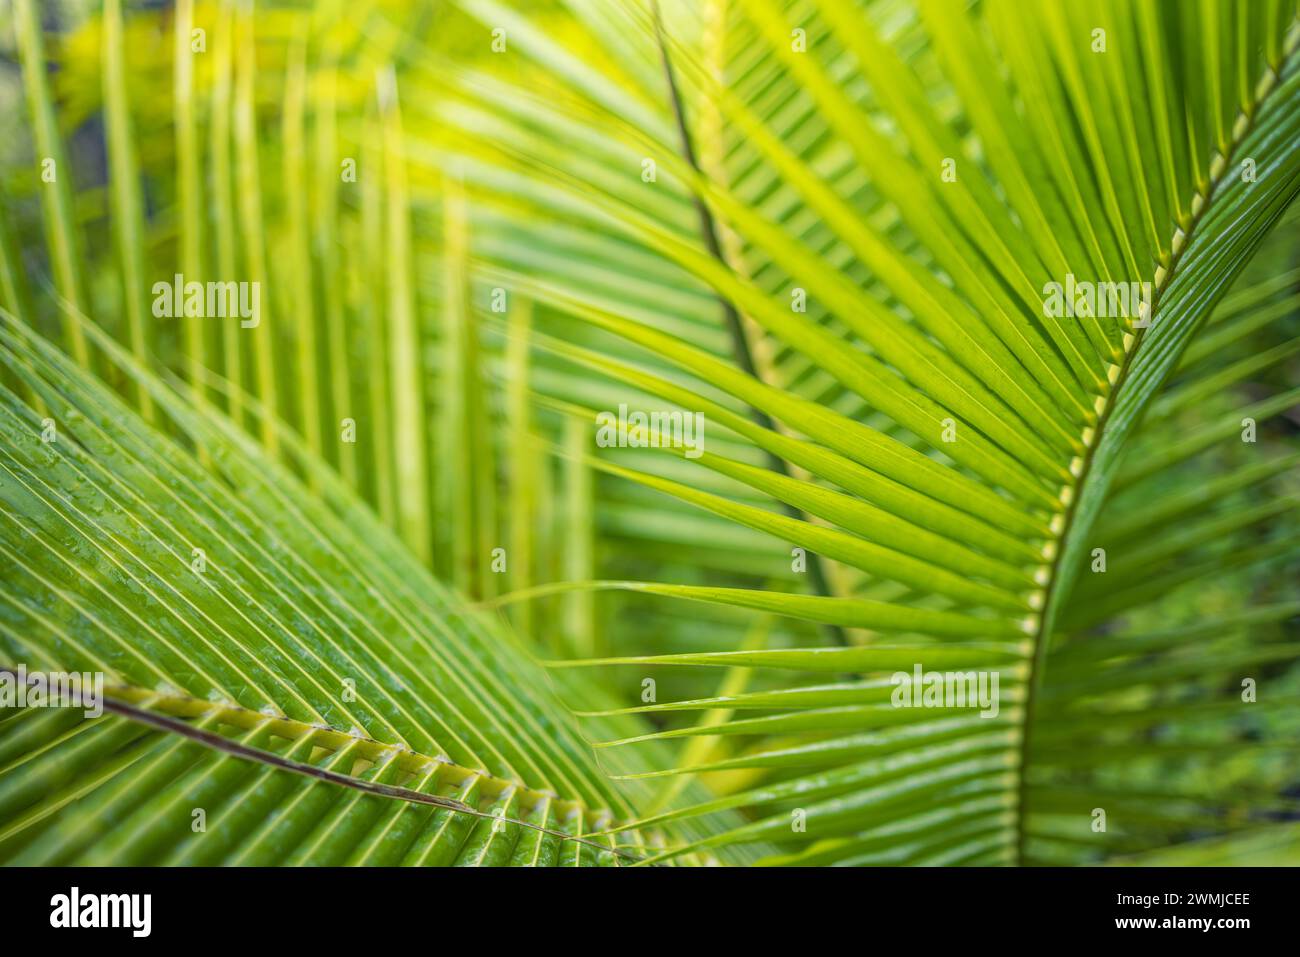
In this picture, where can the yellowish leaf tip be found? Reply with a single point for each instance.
(1239, 127)
(1265, 84)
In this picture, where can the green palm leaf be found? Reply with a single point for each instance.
(829, 228)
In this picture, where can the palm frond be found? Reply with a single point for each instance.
(840, 232)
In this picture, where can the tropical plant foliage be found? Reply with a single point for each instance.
(366, 589)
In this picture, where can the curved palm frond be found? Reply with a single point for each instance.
(929, 314)
(233, 601)
(832, 229)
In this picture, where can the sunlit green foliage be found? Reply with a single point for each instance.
(369, 528)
